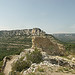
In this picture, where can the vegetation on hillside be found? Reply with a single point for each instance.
(1, 63)
(35, 56)
(68, 38)
(13, 45)
(68, 42)
(70, 48)
(20, 65)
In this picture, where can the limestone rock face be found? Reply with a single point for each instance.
(37, 31)
(34, 31)
(48, 45)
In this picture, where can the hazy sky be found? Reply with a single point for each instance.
(51, 16)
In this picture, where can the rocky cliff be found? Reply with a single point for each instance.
(34, 31)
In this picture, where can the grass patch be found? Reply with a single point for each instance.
(66, 70)
(31, 73)
(40, 69)
(20, 65)
(1, 73)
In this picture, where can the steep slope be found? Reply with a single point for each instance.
(48, 44)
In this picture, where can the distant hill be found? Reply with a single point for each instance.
(69, 38)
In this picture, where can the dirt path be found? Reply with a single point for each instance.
(8, 65)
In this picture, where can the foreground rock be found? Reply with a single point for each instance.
(51, 65)
(46, 68)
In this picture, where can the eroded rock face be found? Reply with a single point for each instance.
(47, 45)
(37, 31)
(48, 60)
(54, 62)
(34, 31)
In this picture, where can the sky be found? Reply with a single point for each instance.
(52, 16)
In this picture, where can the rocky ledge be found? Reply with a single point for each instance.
(55, 64)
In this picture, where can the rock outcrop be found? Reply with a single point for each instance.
(51, 63)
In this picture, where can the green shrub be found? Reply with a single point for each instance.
(35, 56)
(31, 73)
(64, 69)
(1, 73)
(1, 63)
(40, 69)
(20, 65)
(14, 73)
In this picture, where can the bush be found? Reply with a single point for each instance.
(1, 73)
(40, 69)
(20, 65)
(35, 56)
(14, 73)
(31, 73)
(1, 63)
